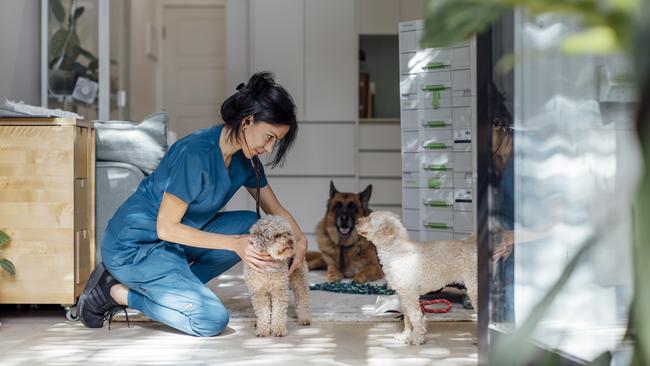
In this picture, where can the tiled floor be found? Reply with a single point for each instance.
(45, 337)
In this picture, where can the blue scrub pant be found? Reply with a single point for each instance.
(167, 282)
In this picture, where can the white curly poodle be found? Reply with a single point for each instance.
(416, 268)
(269, 289)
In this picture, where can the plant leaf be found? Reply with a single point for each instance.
(77, 13)
(57, 10)
(7, 266)
(453, 21)
(4, 239)
(56, 43)
(595, 40)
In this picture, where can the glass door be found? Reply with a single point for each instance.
(559, 162)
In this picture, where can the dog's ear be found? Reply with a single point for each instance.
(364, 197)
(333, 190)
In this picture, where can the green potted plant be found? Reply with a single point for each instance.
(65, 49)
(5, 263)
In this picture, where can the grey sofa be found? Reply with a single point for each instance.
(126, 153)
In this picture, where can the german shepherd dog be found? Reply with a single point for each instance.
(343, 252)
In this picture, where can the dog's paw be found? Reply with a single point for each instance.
(334, 276)
(360, 278)
(262, 332)
(416, 339)
(279, 331)
(404, 336)
(304, 321)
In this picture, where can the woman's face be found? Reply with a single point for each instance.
(261, 137)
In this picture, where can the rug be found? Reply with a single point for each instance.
(325, 305)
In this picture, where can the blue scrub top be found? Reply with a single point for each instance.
(193, 170)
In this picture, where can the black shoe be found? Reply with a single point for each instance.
(96, 303)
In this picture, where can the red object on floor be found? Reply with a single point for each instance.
(425, 303)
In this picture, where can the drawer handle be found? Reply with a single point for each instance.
(436, 167)
(434, 183)
(435, 124)
(435, 87)
(435, 145)
(437, 225)
(434, 65)
(436, 203)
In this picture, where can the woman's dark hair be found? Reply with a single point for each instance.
(266, 101)
(498, 109)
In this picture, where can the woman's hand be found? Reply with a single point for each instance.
(504, 249)
(299, 257)
(254, 259)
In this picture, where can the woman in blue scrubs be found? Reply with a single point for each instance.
(169, 238)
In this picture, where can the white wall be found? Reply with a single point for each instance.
(20, 50)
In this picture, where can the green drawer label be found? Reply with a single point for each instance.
(434, 124)
(434, 183)
(434, 65)
(436, 145)
(436, 203)
(436, 225)
(436, 167)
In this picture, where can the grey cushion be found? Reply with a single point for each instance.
(142, 145)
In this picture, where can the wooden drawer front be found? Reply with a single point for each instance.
(81, 199)
(44, 260)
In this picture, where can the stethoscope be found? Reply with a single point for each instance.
(256, 169)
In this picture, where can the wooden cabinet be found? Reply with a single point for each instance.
(47, 206)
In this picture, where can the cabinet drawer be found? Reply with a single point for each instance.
(438, 219)
(432, 59)
(432, 198)
(429, 100)
(81, 200)
(437, 160)
(436, 180)
(437, 139)
(411, 179)
(436, 118)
